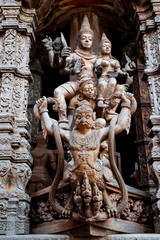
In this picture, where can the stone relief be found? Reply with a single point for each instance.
(6, 92)
(90, 118)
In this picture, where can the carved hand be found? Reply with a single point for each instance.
(77, 67)
(126, 97)
(98, 69)
(125, 74)
(42, 104)
(47, 42)
(66, 51)
(57, 44)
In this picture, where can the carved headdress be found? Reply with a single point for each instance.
(84, 107)
(85, 27)
(85, 79)
(104, 39)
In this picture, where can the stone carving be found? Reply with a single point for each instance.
(5, 168)
(21, 173)
(43, 160)
(6, 90)
(9, 50)
(89, 169)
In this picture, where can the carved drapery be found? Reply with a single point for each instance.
(149, 36)
(17, 26)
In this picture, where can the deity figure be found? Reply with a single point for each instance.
(87, 92)
(78, 63)
(109, 68)
(43, 159)
(84, 173)
(91, 126)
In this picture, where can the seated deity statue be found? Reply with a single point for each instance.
(109, 69)
(89, 129)
(78, 63)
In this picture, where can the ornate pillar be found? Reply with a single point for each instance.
(17, 26)
(150, 37)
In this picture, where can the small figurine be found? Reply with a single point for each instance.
(87, 92)
(43, 159)
(109, 68)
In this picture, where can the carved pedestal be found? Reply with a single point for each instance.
(17, 26)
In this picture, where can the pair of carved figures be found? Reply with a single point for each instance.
(90, 127)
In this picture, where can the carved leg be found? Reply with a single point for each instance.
(65, 91)
(102, 84)
(68, 207)
(111, 87)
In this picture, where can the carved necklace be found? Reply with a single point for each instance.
(84, 141)
(84, 55)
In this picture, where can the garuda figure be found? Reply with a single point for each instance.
(94, 123)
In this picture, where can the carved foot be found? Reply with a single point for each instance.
(66, 213)
(111, 211)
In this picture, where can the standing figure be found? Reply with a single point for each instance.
(109, 68)
(43, 159)
(84, 143)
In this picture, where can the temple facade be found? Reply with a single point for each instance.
(133, 27)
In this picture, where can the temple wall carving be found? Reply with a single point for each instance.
(149, 36)
(21, 86)
(17, 26)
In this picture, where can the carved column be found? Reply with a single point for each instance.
(142, 115)
(150, 37)
(17, 26)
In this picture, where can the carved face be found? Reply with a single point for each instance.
(88, 90)
(106, 48)
(85, 41)
(84, 119)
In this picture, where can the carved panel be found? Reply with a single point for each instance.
(5, 168)
(9, 48)
(154, 86)
(17, 95)
(21, 173)
(22, 53)
(6, 92)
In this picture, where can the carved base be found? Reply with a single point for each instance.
(110, 226)
(88, 230)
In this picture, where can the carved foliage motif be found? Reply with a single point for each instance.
(21, 173)
(5, 170)
(135, 211)
(157, 92)
(154, 86)
(14, 176)
(22, 53)
(17, 95)
(6, 92)
(156, 168)
(15, 51)
(153, 50)
(9, 47)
